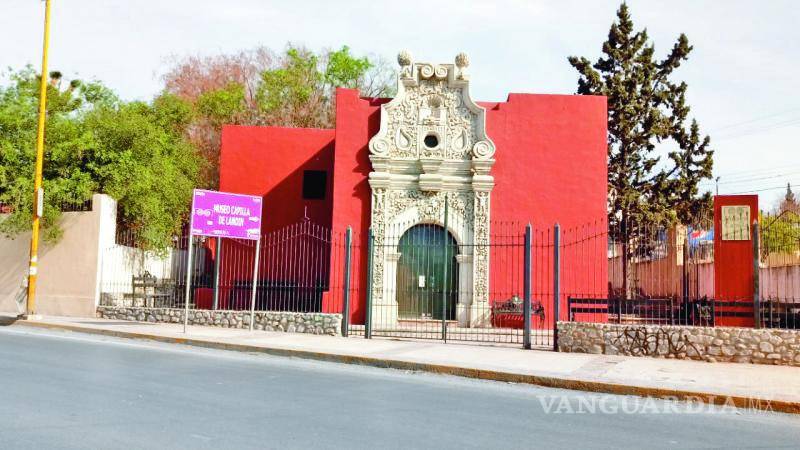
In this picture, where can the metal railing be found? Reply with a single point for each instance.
(660, 275)
(432, 281)
(76, 204)
(297, 269)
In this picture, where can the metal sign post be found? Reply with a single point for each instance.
(218, 215)
(188, 283)
(217, 264)
(255, 285)
(188, 294)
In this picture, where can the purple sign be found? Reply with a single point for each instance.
(222, 214)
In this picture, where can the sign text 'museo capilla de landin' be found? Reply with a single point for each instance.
(231, 215)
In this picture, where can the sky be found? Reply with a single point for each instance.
(742, 74)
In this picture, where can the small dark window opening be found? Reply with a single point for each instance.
(314, 184)
(431, 141)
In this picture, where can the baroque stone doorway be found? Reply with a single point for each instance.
(431, 151)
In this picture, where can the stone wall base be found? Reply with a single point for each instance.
(726, 344)
(291, 322)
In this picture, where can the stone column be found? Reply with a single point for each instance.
(479, 311)
(384, 308)
(464, 289)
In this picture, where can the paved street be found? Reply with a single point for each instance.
(69, 390)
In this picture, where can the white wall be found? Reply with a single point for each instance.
(85, 265)
(120, 263)
(68, 273)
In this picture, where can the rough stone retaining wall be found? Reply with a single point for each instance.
(291, 322)
(729, 344)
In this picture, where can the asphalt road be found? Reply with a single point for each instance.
(69, 390)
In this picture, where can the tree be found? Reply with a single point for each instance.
(140, 157)
(300, 91)
(260, 87)
(223, 89)
(193, 76)
(64, 140)
(780, 233)
(647, 111)
(135, 152)
(291, 95)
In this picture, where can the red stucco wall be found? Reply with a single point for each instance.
(551, 159)
(270, 161)
(551, 167)
(357, 121)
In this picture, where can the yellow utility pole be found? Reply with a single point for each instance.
(38, 192)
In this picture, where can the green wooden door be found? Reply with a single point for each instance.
(427, 274)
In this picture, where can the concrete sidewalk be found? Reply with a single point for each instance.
(745, 385)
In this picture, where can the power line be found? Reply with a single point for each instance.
(756, 190)
(756, 119)
(752, 172)
(749, 180)
(771, 127)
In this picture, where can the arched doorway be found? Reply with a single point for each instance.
(427, 274)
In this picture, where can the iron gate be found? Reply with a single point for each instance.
(429, 294)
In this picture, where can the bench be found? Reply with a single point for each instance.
(509, 313)
(278, 295)
(701, 312)
(153, 292)
(777, 314)
(649, 310)
(586, 306)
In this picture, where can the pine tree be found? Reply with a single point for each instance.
(646, 108)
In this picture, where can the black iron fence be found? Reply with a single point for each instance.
(297, 267)
(666, 275)
(506, 284)
(62, 203)
(430, 283)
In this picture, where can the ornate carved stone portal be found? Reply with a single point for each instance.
(432, 146)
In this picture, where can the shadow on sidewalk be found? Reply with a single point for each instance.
(6, 320)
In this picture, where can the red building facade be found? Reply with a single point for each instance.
(392, 164)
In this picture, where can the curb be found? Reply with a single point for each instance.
(509, 377)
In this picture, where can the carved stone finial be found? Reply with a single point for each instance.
(462, 60)
(404, 58)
